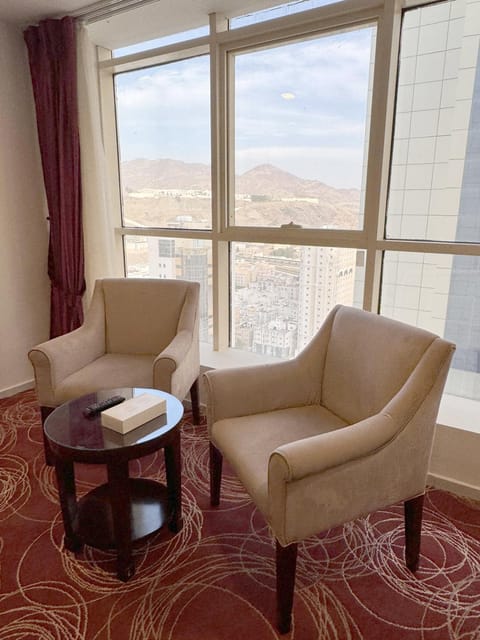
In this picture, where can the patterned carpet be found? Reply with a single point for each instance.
(215, 579)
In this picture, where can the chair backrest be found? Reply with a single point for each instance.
(143, 315)
(368, 360)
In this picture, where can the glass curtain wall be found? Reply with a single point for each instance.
(257, 168)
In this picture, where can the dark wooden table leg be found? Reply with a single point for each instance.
(68, 502)
(216, 464)
(173, 466)
(120, 501)
(49, 457)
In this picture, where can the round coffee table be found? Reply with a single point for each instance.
(123, 510)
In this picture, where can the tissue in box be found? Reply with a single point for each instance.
(133, 412)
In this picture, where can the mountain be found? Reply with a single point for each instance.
(267, 195)
(264, 179)
(164, 173)
(267, 178)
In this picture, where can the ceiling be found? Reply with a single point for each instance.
(153, 19)
(30, 11)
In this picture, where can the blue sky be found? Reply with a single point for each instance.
(300, 106)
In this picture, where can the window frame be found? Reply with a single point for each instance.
(228, 51)
(387, 15)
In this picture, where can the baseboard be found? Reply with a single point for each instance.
(18, 388)
(454, 486)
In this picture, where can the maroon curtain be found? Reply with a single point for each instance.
(52, 56)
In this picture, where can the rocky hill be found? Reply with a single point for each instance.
(164, 174)
(266, 195)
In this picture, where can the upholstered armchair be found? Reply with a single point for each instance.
(340, 431)
(137, 332)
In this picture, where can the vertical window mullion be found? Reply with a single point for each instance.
(378, 164)
(220, 260)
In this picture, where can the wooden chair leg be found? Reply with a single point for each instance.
(45, 412)
(194, 396)
(216, 460)
(413, 528)
(286, 567)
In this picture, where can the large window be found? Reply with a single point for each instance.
(435, 188)
(282, 9)
(439, 292)
(282, 293)
(182, 258)
(163, 122)
(307, 160)
(300, 131)
(436, 128)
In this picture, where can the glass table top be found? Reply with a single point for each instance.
(68, 427)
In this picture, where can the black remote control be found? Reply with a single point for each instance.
(97, 407)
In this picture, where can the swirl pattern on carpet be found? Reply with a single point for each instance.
(215, 579)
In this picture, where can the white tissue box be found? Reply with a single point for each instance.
(134, 412)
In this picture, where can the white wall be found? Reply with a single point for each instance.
(24, 284)
(454, 462)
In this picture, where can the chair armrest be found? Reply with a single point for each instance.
(326, 480)
(56, 359)
(171, 357)
(178, 365)
(302, 458)
(242, 391)
(423, 388)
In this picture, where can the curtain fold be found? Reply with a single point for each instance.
(103, 252)
(52, 56)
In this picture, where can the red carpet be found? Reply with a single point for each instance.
(215, 579)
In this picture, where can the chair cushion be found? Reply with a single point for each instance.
(248, 441)
(107, 372)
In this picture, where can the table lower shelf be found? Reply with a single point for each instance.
(149, 511)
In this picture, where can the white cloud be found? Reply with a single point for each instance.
(184, 85)
(164, 112)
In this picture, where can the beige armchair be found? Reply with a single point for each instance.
(342, 430)
(137, 333)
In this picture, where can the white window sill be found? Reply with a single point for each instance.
(456, 412)
(460, 413)
(230, 358)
